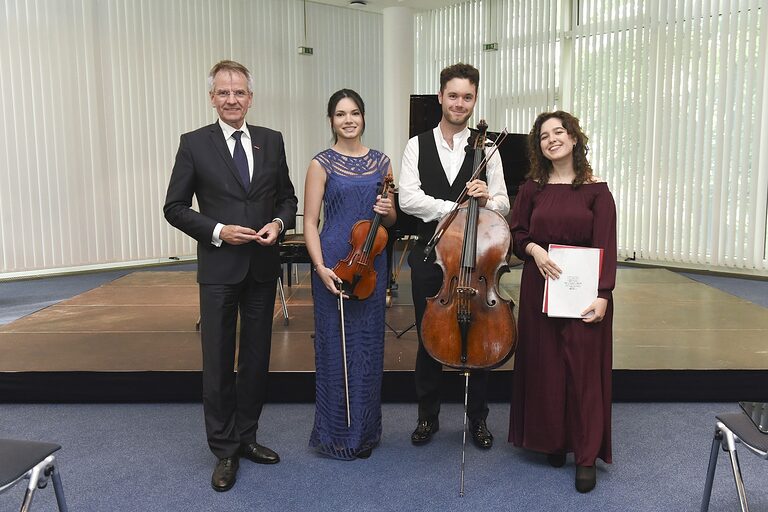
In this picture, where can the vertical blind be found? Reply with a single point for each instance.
(518, 80)
(97, 92)
(673, 94)
(670, 92)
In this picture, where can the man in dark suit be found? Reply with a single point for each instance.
(238, 173)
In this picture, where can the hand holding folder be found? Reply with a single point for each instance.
(576, 288)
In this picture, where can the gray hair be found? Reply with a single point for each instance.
(232, 66)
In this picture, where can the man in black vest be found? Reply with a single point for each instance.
(434, 172)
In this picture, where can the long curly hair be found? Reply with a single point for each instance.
(541, 166)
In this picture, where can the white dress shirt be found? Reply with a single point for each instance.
(414, 201)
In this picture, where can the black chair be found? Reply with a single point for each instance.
(730, 429)
(33, 461)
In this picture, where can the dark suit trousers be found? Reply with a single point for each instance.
(232, 402)
(426, 279)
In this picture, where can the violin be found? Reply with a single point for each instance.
(368, 239)
(468, 325)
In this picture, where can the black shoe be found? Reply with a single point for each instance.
(424, 431)
(481, 435)
(225, 474)
(586, 478)
(364, 454)
(259, 454)
(556, 460)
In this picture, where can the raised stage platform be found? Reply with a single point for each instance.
(134, 339)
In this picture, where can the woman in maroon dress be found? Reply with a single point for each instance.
(561, 397)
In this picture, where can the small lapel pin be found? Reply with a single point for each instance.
(256, 147)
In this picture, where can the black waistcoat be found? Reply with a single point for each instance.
(433, 180)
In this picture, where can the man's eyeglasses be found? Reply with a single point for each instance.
(223, 94)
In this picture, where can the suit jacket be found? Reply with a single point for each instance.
(204, 167)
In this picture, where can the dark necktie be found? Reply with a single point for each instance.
(241, 161)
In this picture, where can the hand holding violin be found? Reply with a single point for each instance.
(383, 206)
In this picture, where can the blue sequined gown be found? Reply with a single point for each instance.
(352, 184)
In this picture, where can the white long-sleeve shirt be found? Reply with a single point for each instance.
(414, 201)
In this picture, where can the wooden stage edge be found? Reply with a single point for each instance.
(133, 340)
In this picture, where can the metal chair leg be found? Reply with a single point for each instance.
(58, 489)
(27, 500)
(739, 481)
(729, 444)
(282, 300)
(714, 452)
(35, 481)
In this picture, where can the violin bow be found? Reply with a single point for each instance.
(452, 214)
(344, 351)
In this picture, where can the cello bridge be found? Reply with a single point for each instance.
(466, 291)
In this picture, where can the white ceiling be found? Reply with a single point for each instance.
(379, 5)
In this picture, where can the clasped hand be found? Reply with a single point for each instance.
(238, 235)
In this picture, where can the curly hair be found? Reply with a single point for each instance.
(460, 70)
(541, 166)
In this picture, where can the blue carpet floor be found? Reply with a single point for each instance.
(154, 457)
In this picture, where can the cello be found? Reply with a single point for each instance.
(468, 325)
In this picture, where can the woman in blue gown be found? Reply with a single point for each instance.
(346, 181)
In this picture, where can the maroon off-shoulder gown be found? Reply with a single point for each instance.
(561, 396)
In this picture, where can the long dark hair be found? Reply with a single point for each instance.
(541, 166)
(334, 101)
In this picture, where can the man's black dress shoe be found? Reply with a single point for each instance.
(424, 431)
(259, 454)
(481, 435)
(225, 474)
(586, 478)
